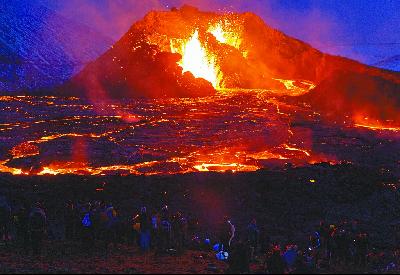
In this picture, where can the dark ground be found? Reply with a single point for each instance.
(288, 203)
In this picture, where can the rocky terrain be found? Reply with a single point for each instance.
(288, 203)
(41, 49)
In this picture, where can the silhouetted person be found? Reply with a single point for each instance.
(253, 236)
(226, 234)
(290, 256)
(179, 228)
(87, 237)
(144, 230)
(275, 262)
(239, 259)
(155, 230)
(37, 228)
(165, 231)
(22, 227)
(361, 249)
(5, 220)
(300, 266)
(69, 221)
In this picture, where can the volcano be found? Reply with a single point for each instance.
(188, 53)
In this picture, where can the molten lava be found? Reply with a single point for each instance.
(227, 37)
(24, 150)
(197, 60)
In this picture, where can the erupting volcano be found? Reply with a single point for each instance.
(185, 91)
(188, 53)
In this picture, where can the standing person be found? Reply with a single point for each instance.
(275, 263)
(253, 236)
(165, 231)
(226, 234)
(331, 245)
(323, 231)
(22, 227)
(87, 229)
(144, 230)
(111, 224)
(5, 220)
(69, 220)
(37, 228)
(179, 229)
(155, 230)
(290, 257)
(361, 245)
(239, 259)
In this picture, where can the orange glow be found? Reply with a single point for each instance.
(224, 36)
(197, 60)
(373, 124)
(223, 167)
(11, 170)
(378, 127)
(296, 87)
(290, 148)
(24, 150)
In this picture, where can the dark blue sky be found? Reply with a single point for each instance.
(362, 29)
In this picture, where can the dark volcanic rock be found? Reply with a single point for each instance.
(286, 203)
(358, 95)
(41, 49)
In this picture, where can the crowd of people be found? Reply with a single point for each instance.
(98, 225)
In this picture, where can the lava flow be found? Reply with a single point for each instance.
(186, 91)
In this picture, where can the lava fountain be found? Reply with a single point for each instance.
(197, 60)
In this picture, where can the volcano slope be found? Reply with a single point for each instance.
(173, 53)
(41, 49)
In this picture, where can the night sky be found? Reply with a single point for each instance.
(359, 28)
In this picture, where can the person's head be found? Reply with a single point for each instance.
(37, 204)
(143, 210)
(254, 221)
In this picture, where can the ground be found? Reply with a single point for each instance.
(122, 259)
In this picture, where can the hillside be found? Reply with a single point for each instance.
(41, 49)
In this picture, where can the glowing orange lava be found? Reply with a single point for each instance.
(197, 60)
(224, 36)
(375, 125)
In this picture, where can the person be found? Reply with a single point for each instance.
(87, 230)
(265, 240)
(275, 263)
(239, 259)
(165, 231)
(253, 234)
(144, 230)
(323, 231)
(155, 230)
(226, 234)
(5, 220)
(111, 224)
(290, 257)
(37, 227)
(22, 227)
(300, 266)
(315, 247)
(179, 228)
(343, 246)
(69, 220)
(361, 249)
(331, 245)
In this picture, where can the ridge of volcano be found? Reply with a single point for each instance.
(188, 53)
